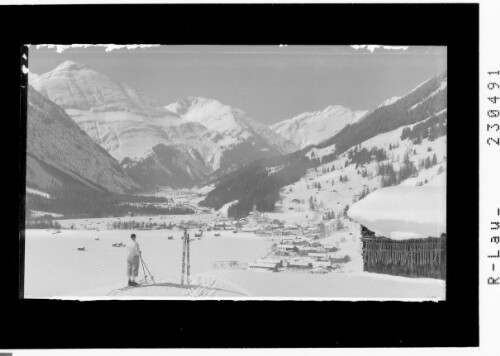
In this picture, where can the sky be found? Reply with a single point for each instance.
(270, 83)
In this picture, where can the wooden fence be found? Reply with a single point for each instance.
(409, 258)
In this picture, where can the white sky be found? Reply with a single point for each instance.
(270, 83)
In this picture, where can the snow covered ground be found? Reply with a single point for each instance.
(334, 195)
(54, 266)
(360, 286)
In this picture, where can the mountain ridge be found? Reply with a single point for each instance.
(257, 187)
(56, 140)
(313, 127)
(129, 125)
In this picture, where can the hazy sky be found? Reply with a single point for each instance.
(270, 83)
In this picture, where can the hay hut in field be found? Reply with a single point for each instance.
(403, 230)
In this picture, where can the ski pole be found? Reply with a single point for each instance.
(147, 269)
(144, 271)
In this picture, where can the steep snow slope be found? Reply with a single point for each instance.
(75, 86)
(209, 136)
(313, 127)
(120, 119)
(323, 184)
(427, 99)
(390, 101)
(122, 134)
(227, 128)
(56, 143)
(388, 119)
(129, 125)
(442, 86)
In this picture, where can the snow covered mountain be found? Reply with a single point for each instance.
(400, 143)
(120, 119)
(228, 130)
(75, 86)
(313, 127)
(180, 145)
(424, 101)
(389, 101)
(232, 123)
(59, 153)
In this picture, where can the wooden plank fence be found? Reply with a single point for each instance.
(410, 258)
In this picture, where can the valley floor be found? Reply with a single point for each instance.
(55, 268)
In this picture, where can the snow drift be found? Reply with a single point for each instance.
(404, 212)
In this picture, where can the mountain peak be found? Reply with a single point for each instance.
(337, 108)
(76, 86)
(182, 106)
(313, 127)
(200, 101)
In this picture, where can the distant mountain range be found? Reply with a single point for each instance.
(179, 145)
(227, 129)
(146, 145)
(421, 112)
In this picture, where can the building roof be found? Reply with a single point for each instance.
(317, 254)
(285, 246)
(300, 263)
(263, 264)
(404, 212)
(319, 270)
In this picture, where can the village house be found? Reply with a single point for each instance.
(264, 265)
(318, 256)
(286, 248)
(319, 270)
(323, 264)
(306, 250)
(299, 265)
(391, 244)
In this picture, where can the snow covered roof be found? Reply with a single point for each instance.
(284, 246)
(319, 269)
(263, 265)
(404, 212)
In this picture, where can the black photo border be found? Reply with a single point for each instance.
(29, 324)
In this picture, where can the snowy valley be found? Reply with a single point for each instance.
(268, 207)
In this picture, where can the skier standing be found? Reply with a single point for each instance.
(133, 257)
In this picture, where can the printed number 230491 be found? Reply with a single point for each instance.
(494, 112)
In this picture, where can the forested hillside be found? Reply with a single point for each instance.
(420, 104)
(258, 183)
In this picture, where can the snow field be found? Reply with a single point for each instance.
(54, 266)
(350, 286)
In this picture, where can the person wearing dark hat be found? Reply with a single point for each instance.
(133, 257)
